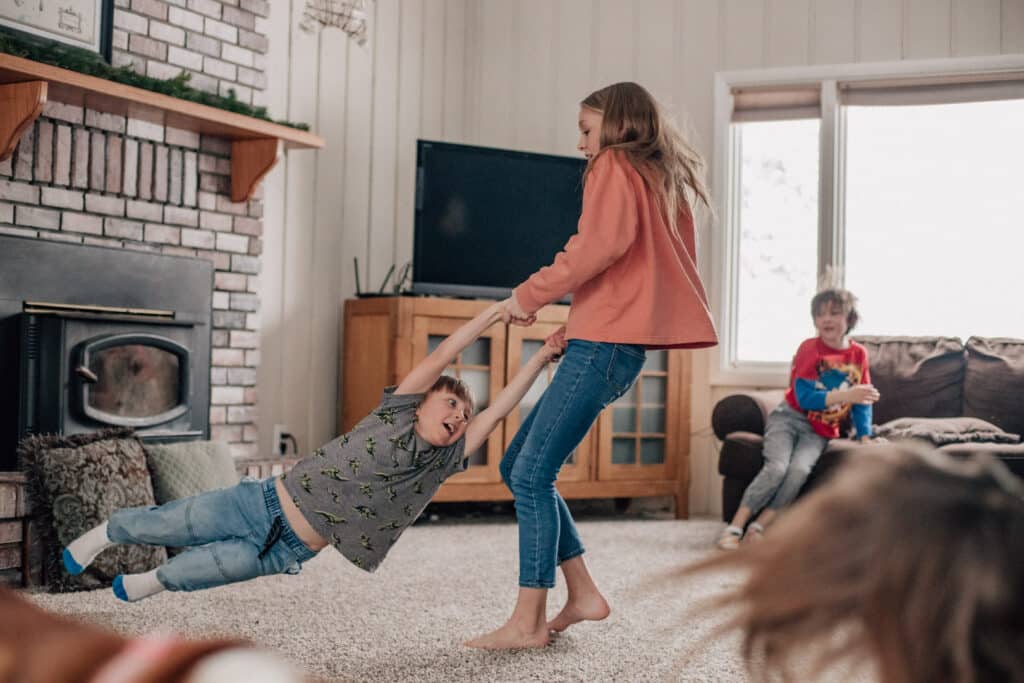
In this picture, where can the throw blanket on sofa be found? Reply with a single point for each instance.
(945, 430)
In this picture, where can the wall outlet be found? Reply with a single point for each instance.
(277, 443)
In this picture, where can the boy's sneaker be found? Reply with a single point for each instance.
(730, 538)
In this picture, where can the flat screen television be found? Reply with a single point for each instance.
(487, 218)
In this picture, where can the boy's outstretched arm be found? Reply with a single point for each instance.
(481, 426)
(422, 377)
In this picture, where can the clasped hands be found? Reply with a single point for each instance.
(513, 314)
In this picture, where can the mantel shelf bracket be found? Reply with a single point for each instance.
(20, 105)
(250, 161)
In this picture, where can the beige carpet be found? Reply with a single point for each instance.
(445, 582)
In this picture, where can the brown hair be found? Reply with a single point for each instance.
(634, 123)
(457, 387)
(906, 555)
(844, 298)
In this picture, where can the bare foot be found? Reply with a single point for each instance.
(592, 607)
(510, 637)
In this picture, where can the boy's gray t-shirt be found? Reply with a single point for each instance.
(361, 490)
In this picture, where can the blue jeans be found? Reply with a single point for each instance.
(589, 377)
(238, 533)
(791, 448)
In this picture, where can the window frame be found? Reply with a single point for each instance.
(726, 369)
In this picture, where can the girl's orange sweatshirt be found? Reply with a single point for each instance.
(633, 280)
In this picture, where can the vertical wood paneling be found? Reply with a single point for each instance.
(1013, 26)
(573, 69)
(533, 123)
(879, 30)
(787, 40)
(275, 99)
(409, 102)
(654, 27)
(300, 214)
(742, 34)
(927, 29)
(832, 41)
(385, 143)
(325, 277)
(696, 59)
(432, 113)
(454, 69)
(613, 49)
(498, 40)
(976, 27)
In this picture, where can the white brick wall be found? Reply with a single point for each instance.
(94, 178)
(91, 178)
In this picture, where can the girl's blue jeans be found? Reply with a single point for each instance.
(232, 533)
(590, 375)
(791, 448)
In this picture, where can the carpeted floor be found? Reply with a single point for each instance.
(446, 582)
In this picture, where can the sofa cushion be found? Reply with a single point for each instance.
(1011, 454)
(75, 482)
(916, 376)
(994, 382)
(945, 430)
(188, 468)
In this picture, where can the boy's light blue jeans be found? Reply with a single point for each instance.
(238, 533)
(590, 375)
(791, 448)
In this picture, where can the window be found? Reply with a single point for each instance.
(899, 182)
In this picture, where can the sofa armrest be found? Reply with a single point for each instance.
(744, 412)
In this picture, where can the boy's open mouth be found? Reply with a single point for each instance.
(449, 428)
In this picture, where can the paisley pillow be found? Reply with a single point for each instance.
(76, 482)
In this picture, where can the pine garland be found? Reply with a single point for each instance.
(90, 63)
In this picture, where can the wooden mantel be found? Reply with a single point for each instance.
(26, 85)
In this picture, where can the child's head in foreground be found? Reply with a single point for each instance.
(445, 412)
(908, 556)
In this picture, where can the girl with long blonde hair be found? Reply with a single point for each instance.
(631, 268)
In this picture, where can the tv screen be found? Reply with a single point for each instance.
(487, 218)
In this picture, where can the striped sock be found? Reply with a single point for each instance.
(132, 587)
(83, 550)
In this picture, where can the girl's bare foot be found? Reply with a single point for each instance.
(510, 637)
(591, 607)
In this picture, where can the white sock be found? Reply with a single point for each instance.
(734, 530)
(85, 548)
(132, 587)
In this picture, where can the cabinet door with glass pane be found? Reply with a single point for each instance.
(639, 433)
(481, 366)
(523, 343)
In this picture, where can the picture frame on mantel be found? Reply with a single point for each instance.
(85, 24)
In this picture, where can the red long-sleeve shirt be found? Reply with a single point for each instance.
(633, 280)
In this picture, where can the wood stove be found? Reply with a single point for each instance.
(92, 337)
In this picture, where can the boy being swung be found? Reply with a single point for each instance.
(358, 493)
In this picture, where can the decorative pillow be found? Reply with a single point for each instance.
(187, 468)
(75, 483)
(945, 430)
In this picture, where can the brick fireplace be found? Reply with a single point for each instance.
(85, 177)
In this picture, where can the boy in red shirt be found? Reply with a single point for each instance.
(829, 386)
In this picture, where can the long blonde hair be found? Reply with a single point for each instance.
(913, 557)
(635, 124)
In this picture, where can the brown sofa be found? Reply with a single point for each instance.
(918, 377)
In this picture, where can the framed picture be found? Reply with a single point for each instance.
(86, 24)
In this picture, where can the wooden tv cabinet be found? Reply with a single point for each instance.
(638, 447)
